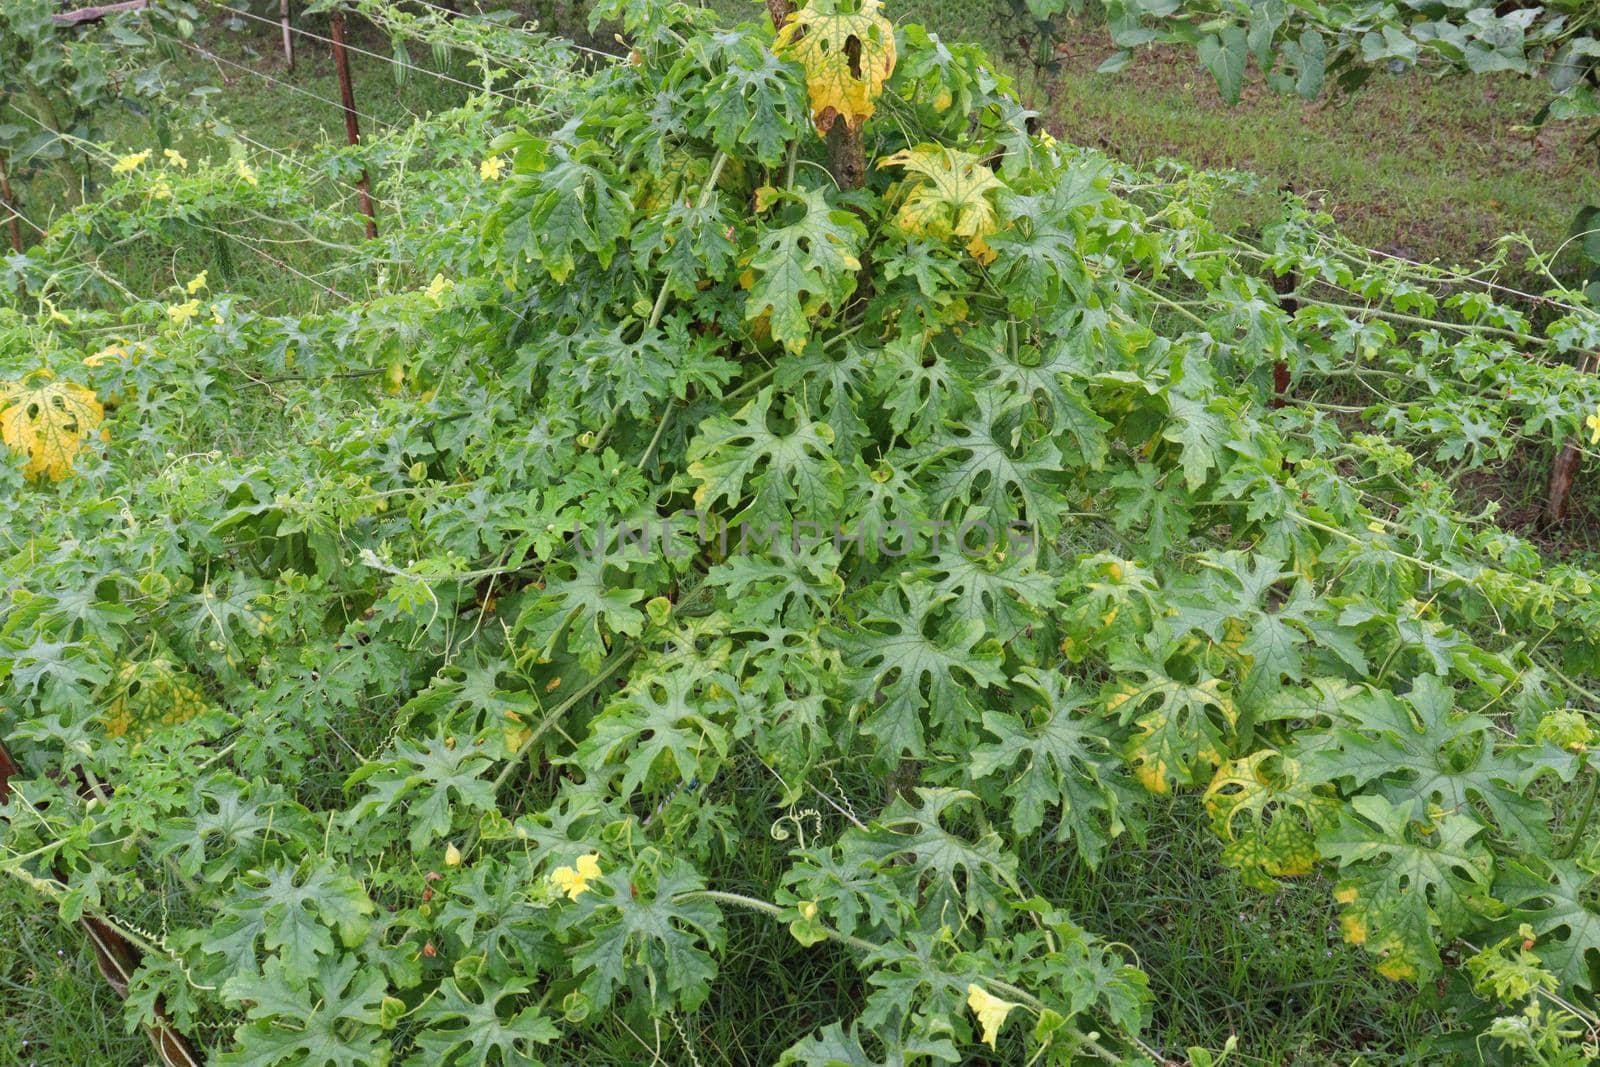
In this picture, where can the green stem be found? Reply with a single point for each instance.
(1017, 993)
(661, 428)
(606, 670)
(1582, 825)
(1416, 320)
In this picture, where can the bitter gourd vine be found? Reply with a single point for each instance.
(435, 705)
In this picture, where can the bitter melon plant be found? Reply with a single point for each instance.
(708, 588)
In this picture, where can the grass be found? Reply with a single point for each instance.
(1426, 169)
(55, 1009)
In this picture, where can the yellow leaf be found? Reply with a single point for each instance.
(114, 353)
(950, 196)
(150, 693)
(848, 58)
(48, 424)
(1268, 816)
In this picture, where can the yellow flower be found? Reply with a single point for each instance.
(195, 284)
(182, 313)
(573, 881)
(160, 190)
(990, 1010)
(175, 159)
(452, 856)
(1593, 422)
(491, 169)
(129, 164)
(439, 286)
(245, 172)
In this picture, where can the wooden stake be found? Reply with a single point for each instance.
(1564, 470)
(95, 14)
(352, 128)
(8, 203)
(288, 37)
(847, 154)
(8, 767)
(1284, 285)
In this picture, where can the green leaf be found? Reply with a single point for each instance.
(787, 474)
(435, 781)
(1226, 57)
(330, 1022)
(1058, 757)
(292, 916)
(1446, 759)
(1560, 906)
(1407, 884)
(464, 1029)
(664, 726)
(833, 1046)
(803, 267)
(640, 928)
(909, 658)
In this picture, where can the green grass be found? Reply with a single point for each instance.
(1422, 167)
(55, 1009)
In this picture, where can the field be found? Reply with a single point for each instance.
(1272, 747)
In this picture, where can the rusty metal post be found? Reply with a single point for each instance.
(352, 128)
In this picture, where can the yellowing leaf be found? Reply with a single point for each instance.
(1268, 814)
(48, 424)
(848, 57)
(950, 196)
(150, 693)
(114, 353)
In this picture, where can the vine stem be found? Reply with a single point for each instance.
(1417, 320)
(660, 307)
(1582, 824)
(1022, 996)
(605, 671)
